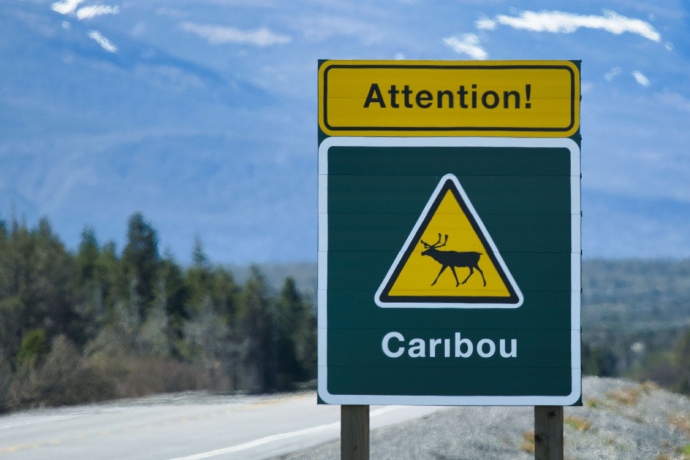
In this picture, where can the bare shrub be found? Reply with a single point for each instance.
(627, 396)
(137, 363)
(64, 378)
(150, 375)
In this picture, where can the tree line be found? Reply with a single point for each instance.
(98, 323)
(636, 320)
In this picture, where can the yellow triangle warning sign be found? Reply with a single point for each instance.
(449, 260)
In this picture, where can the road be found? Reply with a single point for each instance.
(183, 427)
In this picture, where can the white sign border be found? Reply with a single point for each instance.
(431, 400)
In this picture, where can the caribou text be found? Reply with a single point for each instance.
(394, 345)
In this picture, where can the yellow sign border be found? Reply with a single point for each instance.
(421, 127)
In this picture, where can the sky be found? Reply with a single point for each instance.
(202, 114)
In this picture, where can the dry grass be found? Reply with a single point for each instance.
(680, 422)
(577, 423)
(648, 386)
(527, 442)
(592, 403)
(627, 396)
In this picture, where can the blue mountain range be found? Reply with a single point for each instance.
(202, 115)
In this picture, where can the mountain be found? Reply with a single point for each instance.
(202, 115)
(90, 136)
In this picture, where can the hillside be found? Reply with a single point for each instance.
(635, 294)
(631, 295)
(619, 420)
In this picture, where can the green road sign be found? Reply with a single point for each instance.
(449, 270)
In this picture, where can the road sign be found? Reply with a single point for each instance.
(449, 266)
(449, 211)
(436, 98)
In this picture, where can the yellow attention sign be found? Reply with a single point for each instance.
(449, 98)
(449, 260)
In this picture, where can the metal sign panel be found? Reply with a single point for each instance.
(449, 268)
(435, 98)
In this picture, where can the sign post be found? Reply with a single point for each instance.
(548, 433)
(354, 432)
(449, 233)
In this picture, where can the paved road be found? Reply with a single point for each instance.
(183, 427)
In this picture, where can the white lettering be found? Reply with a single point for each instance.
(464, 347)
(513, 349)
(418, 350)
(480, 348)
(432, 346)
(459, 343)
(384, 344)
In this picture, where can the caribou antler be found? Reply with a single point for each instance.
(437, 244)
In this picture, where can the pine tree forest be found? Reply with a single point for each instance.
(98, 323)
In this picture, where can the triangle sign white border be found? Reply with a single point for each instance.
(410, 240)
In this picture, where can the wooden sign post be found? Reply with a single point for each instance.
(354, 432)
(548, 432)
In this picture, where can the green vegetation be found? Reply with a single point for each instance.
(636, 320)
(98, 323)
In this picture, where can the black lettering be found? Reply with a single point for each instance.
(407, 92)
(462, 93)
(439, 101)
(374, 97)
(507, 95)
(485, 99)
(423, 99)
(445, 98)
(394, 92)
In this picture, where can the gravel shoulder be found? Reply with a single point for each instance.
(619, 420)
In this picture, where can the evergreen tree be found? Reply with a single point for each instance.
(113, 281)
(200, 279)
(199, 257)
(87, 257)
(141, 263)
(208, 285)
(176, 296)
(52, 286)
(88, 288)
(257, 332)
(295, 338)
(36, 287)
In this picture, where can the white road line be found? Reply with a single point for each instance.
(277, 437)
(49, 419)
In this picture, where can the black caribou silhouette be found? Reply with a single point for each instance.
(453, 259)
